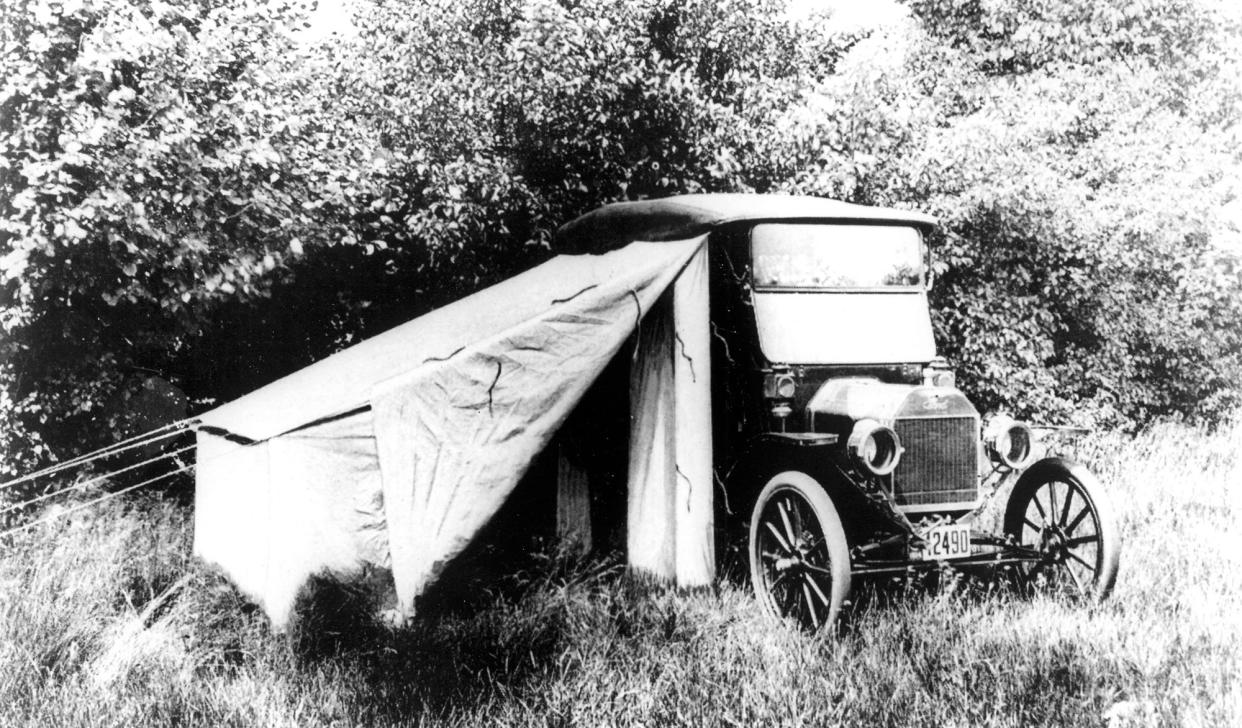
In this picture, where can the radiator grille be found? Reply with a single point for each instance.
(939, 465)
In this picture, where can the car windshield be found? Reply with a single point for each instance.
(801, 257)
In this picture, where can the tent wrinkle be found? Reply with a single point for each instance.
(230, 436)
(638, 310)
(450, 355)
(689, 359)
(325, 419)
(579, 293)
(492, 388)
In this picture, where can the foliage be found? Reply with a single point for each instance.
(514, 117)
(192, 189)
(155, 162)
(1079, 156)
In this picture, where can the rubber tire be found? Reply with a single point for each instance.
(1061, 470)
(834, 540)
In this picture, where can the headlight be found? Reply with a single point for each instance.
(1009, 442)
(780, 385)
(874, 447)
(938, 374)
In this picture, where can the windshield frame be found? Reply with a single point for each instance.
(918, 287)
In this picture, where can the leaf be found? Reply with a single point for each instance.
(73, 231)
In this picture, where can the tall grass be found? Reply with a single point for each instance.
(105, 620)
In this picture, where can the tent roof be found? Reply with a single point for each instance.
(687, 216)
(343, 382)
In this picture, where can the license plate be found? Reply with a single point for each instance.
(947, 541)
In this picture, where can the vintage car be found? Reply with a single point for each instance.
(843, 443)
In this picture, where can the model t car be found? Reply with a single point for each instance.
(844, 445)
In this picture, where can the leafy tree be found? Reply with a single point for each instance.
(513, 117)
(156, 159)
(188, 188)
(1078, 155)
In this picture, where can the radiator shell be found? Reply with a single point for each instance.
(938, 428)
(939, 469)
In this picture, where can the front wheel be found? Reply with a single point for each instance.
(799, 558)
(1060, 510)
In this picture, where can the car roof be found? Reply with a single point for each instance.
(686, 216)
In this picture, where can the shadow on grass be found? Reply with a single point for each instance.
(489, 631)
(489, 626)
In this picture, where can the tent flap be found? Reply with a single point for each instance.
(670, 467)
(456, 436)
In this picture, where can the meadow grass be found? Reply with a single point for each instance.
(106, 620)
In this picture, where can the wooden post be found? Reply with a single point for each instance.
(573, 503)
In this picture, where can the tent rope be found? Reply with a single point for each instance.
(87, 504)
(141, 440)
(84, 484)
(95, 501)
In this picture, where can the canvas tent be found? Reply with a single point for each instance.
(396, 451)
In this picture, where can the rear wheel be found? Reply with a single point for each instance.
(799, 557)
(1060, 510)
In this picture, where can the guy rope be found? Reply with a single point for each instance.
(162, 435)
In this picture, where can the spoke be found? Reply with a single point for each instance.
(818, 591)
(810, 607)
(1039, 507)
(1034, 526)
(790, 533)
(1052, 501)
(816, 544)
(1069, 528)
(1065, 508)
(797, 512)
(776, 582)
(777, 534)
(817, 569)
(1082, 540)
(780, 595)
(1077, 584)
(1080, 560)
(770, 556)
(791, 596)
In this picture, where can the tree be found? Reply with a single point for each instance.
(1078, 156)
(186, 188)
(157, 161)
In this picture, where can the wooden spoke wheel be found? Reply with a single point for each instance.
(1060, 510)
(799, 558)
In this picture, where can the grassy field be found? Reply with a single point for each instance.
(105, 620)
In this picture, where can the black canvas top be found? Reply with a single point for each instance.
(687, 216)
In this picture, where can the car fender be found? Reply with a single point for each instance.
(818, 456)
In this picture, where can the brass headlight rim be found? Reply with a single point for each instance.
(866, 430)
(999, 438)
